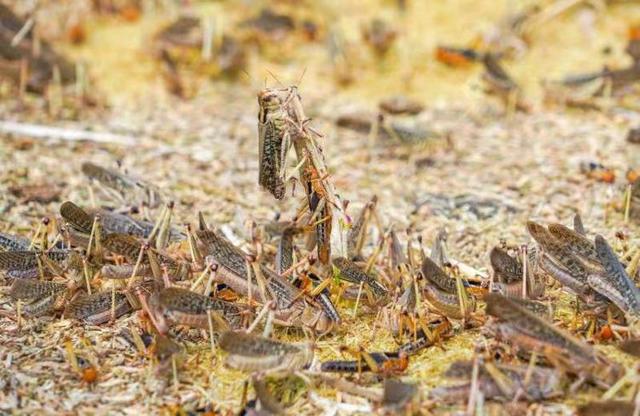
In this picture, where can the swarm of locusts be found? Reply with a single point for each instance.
(103, 264)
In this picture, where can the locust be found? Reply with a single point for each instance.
(387, 129)
(252, 353)
(434, 274)
(122, 184)
(559, 261)
(386, 363)
(42, 296)
(184, 307)
(323, 297)
(501, 382)
(349, 271)
(615, 285)
(274, 142)
(576, 242)
(81, 222)
(506, 269)
(404, 310)
(399, 104)
(284, 254)
(501, 84)
(428, 336)
(613, 80)
(397, 256)
(358, 230)
(129, 247)
(530, 332)
(99, 308)
(447, 295)
(539, 308)
(292, 308)
(320, 209)
(31, 263)
(322, 201)
(447, 304)
(438, 250)
(586, 267)
(510, 273)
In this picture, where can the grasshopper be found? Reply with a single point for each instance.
(274, 142)
(284, 253)
(358, 231)
(320, 208)
(386, 363)
(129, 247)
(99, 308)
(501, 84)
(576, 242)
(429, 336)
(386, 129)
(615, 285)
(30, 263)
(322, 200)
(81, 222)
(434, 274)
(351, 272)
(510, 273)
(252, 353)
(292, 307)
(121, 184)
(587, 266)
(397, 257)
(400, 104)
(43, 296)
(447, 304)
(184, 307)
(438, 250)
(501, 381)
(448, 296)
(403, 311)
(323, 298)
(531, 332)
(561, 263)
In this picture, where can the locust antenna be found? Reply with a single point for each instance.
(304, 71)
(275, 77)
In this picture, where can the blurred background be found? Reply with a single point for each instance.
(145, 50)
